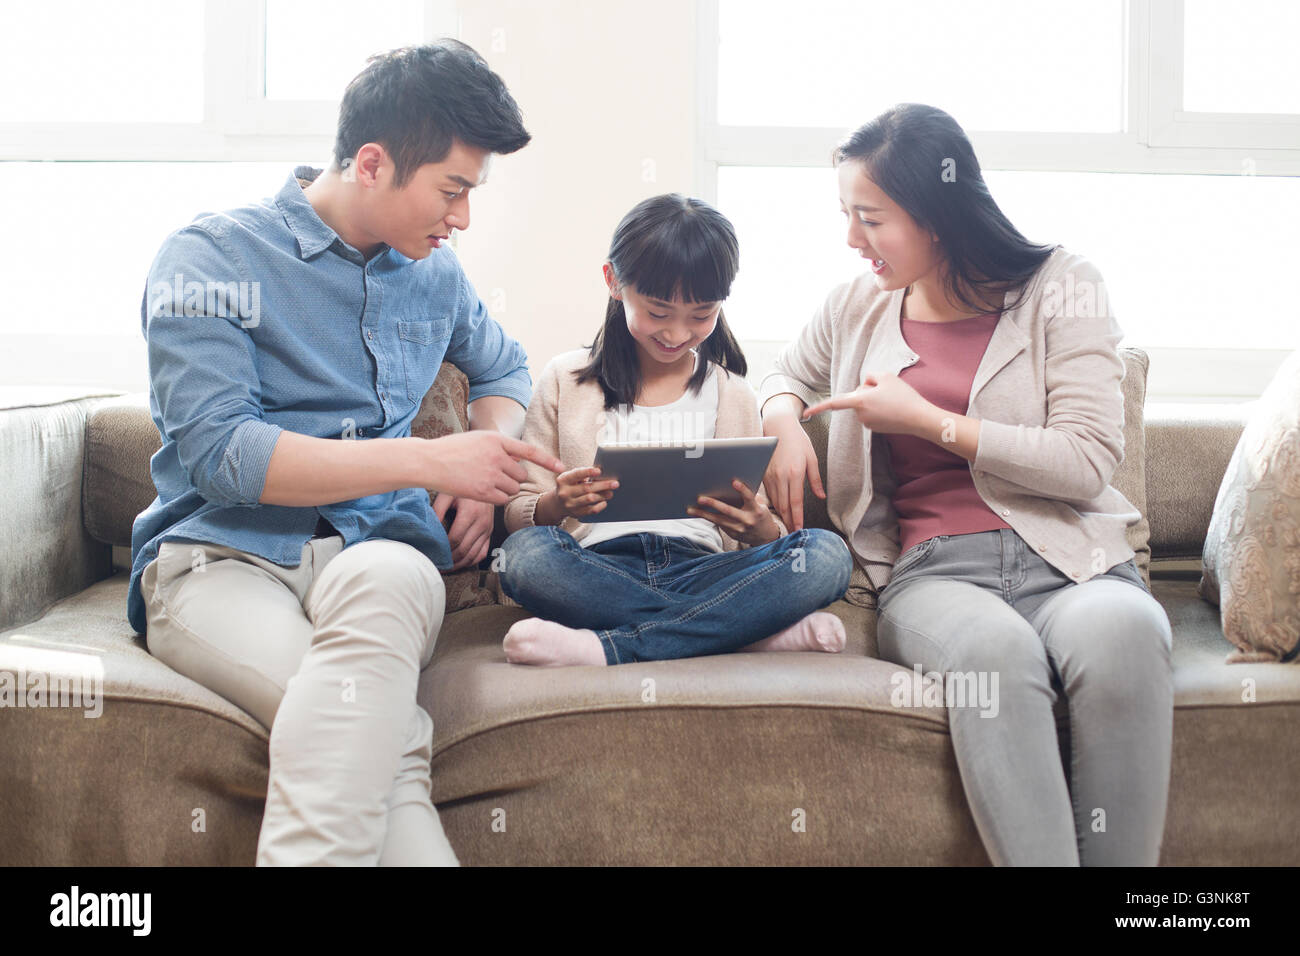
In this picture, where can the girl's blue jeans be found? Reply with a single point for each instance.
(649, 597)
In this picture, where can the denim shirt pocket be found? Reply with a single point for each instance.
(422, 349)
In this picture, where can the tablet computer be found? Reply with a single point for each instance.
(659, 482)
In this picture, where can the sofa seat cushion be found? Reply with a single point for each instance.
(737, 759)
(1201, 672)
(1235, 764)
(167, 773)
(718, 759)
(747, 758)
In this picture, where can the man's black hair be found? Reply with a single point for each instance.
(416, 100)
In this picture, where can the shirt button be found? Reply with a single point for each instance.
(1005, 513)
(1042, 547)
(370, 336)
(1074, 574)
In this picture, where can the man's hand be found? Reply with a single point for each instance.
(474, 471)
(470, 533)
(305, 471)
(751, 523)
(480, 465)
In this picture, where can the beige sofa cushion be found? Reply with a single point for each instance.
(705, 760)
(580, 765)
(1188, 449)
(445, 411)
(1251, 559)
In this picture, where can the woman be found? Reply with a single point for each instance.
(971, 480)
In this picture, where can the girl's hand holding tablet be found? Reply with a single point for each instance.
(579, 493)
(751, 524)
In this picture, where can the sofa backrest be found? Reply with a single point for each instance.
(1186, 455)
(116, 484)
(1188, 448)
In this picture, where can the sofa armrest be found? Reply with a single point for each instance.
(46, 553)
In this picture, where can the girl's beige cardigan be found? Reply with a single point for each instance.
(566, 419)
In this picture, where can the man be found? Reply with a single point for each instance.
(291, 559)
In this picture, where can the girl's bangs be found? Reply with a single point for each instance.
(683, 263)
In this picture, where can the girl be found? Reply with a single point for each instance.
(986, 370)
(664, 368)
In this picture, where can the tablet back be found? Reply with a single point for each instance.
(658, 482)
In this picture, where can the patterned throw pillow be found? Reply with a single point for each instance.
(1251, 562)
(445, 411)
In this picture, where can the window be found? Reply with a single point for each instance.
(1225, 75)
(206, 80)
(107, 70)
(313, 49)
(75, 274)
(840, 59)
(154, 111)
(1065, 103)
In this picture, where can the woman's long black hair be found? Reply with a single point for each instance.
(923, 160)
(668, 247)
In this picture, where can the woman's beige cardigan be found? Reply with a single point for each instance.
(1047, 393)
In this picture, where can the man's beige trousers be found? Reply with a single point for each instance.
(327, 655)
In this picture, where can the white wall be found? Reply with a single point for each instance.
(608, 92)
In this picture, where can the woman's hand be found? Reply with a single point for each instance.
(578, 493)
(883, 403)
(751, 523)
(793, 459)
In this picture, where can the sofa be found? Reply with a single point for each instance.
(749, 759)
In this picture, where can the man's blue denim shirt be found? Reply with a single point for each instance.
(262, 319)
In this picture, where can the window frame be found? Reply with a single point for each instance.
(239, 124)
(1173, 127)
